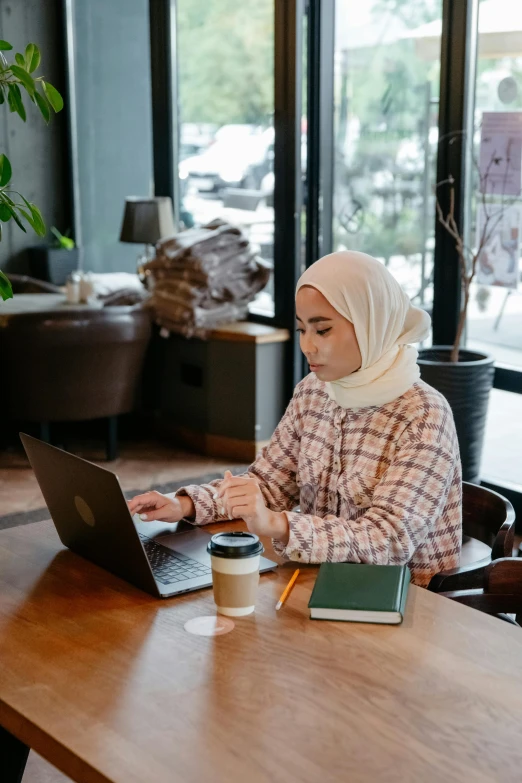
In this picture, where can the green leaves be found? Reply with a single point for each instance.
(8, 205)
(17, 219)
(18, 74)
(6, 291)
(14, 99)
(43, 106)
(53, 96)
(31, 60)
(5, 170)
(15, 78)
(35, 218)
(29, 51)
(62, 240)
(32, 57)
(26, 79)
(28, 211)
(32, 214)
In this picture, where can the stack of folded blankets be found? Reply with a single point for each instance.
(204, 277)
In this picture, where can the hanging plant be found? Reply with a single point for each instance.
(17, 81)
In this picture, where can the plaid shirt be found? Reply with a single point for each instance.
(375, 485)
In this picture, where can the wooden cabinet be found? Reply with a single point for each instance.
(222, 396)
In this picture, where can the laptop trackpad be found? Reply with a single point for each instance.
(192, 544)
(153, 529)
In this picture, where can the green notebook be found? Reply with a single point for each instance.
(360, 593)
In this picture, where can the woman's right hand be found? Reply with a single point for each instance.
(153, 506)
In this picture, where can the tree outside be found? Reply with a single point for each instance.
(386, 112)
(226, 61)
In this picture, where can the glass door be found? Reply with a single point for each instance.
(225, 56)
(495, 312)
(386, 90)
(494, 324)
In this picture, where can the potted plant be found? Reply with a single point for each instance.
(465, 377)
(14, 79)
(56, 261)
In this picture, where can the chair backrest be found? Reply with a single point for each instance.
(504, 576)
(23, 284)
(502, 591)
(488, 517)
(498, 604)
(74, 364)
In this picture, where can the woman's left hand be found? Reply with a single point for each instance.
(241, 498)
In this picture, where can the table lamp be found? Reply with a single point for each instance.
(147, 220)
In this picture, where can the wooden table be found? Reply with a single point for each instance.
(36, 303)
(103, 681)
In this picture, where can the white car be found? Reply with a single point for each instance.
(240, 157)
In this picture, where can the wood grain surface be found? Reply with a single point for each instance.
(104, 682)
(248, 331)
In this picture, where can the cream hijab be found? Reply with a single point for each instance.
(362, 290)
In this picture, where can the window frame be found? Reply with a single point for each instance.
(457, 90)
(459, 42)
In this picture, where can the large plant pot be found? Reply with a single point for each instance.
(466, 384)
(53, 264)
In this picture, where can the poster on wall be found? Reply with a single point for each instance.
(499, 261)
(500, 160)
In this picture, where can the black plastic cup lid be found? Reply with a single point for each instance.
(235, 545)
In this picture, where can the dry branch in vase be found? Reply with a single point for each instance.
(469, 258)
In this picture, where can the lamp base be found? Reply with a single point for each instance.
(142, 260)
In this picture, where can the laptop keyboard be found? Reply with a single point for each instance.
(168, 566)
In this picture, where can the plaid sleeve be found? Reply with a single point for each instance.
(411, 494)
(276, 467)
(275, 470)
(202, 496)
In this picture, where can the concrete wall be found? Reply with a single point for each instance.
(38, 153)
(114, 122)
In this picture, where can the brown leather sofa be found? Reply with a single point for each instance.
(72, 365)
(23, 284)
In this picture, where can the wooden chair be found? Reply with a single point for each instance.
(501, 594)
(488, 531)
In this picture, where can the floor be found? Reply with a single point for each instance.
(140, 466)
(39, 771)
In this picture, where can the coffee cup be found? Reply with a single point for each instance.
(235, 571)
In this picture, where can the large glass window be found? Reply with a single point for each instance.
(226, 105)
(386, 114)
(495, 312)
(503, 441)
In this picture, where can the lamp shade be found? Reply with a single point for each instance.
(147, 220)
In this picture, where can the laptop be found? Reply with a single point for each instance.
(93, 520)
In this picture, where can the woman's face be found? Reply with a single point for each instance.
(327, 339)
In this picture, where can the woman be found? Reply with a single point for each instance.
(367, 450)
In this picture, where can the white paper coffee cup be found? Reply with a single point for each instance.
(235, 559)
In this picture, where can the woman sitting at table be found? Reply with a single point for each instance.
(367, 449)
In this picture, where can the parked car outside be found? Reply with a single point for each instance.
(195, 138)
(240, 157)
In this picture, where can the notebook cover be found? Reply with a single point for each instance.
(360, 587)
